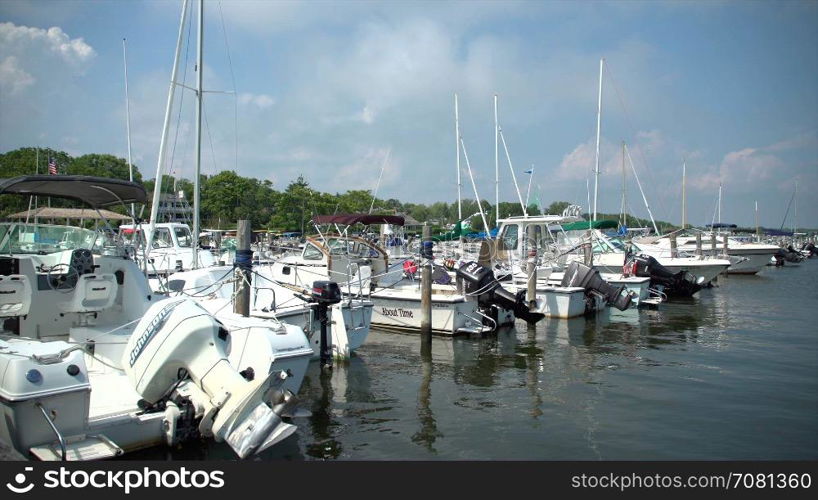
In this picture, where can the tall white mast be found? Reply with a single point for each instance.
(457, 147)
(795, 219)
(623, 215)
(758, 229)
(128, 125)
(380, 175)
(196, 188)
(496, 168)
(528, 192)
(719, 205)
(684, 201)
(157, 188)
(598, 126)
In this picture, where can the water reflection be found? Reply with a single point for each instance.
(428, 432)
(332, 395)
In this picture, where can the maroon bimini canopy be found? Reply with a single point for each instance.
(350, 219)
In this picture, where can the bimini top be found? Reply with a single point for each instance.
(721, 225)
(94, 191)
(350, 219)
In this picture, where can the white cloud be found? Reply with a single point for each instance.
(261, 101)
(13, 78)
(22, 39)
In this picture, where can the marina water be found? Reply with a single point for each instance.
(730, 374)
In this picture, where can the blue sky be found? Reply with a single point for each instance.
(328, 89)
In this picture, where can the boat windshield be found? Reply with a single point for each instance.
(353, 248)
(43, 239)
(617, 244)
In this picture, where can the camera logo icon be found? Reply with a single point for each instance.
(20, 480)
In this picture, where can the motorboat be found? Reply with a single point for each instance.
(93, 364)
(559, 294)
(746, 257)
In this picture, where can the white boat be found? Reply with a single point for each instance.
(171, 250)
(748, 258)
(93, 364)
(213, 287)
(557, 298)
(362, 270)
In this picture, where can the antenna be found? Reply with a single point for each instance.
(128, 126)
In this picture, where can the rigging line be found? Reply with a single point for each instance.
(181, 101)
(633, 132)
(210, 139)
(235, 90)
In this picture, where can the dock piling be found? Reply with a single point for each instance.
(426, 287)
(244, 262)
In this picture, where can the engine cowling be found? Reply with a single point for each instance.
(178, 337)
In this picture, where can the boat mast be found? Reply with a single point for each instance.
(684, 200)
(528, 192)
(196, 187)
(457, 147)
(795, 207)
(128, 126)
(624, 215)
(380, 175)
(719, 207)
(758, 229)
(157, 188)
(496, 167)
(598, 126)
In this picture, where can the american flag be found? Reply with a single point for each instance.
(52, 167)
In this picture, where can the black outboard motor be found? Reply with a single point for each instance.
(480, 281)
(780, 257)
(681, 284)
(580, 275)
(791, 255)
(325, 293)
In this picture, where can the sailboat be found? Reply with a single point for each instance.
(271, 301)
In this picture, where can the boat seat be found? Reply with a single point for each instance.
(15, 295)
(94, 292)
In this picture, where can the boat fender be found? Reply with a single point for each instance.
(409, 267)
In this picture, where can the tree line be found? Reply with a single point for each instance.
(227, 196)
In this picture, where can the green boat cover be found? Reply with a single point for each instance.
(586, 224)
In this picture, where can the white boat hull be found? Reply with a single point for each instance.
(452, 314)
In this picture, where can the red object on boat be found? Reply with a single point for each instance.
(409, 267)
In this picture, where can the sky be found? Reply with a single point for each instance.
(340, 91)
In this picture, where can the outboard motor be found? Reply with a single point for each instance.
(580, 275)
(681, 284)
(325, 294)
(177, 339)
(480, 282)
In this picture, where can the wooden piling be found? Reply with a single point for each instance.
(674, 248)
(699, 244)
(243, 270)
(531, 292)
(426, 287)
(713, 244)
